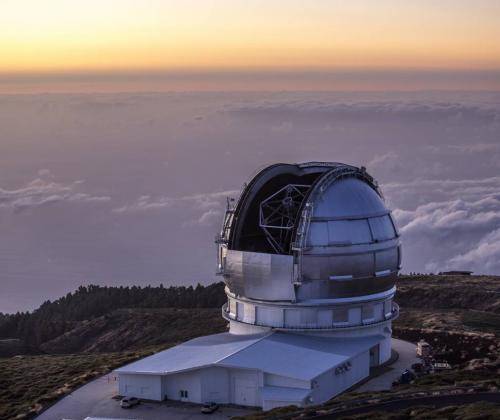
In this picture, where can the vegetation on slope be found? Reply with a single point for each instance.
(29, 383)
(480, 410)
(53, 319)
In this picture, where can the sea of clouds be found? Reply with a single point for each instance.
(130, 188)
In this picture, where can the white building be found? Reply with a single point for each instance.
(309, 255)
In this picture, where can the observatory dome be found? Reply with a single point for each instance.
(309, 231)
(309, 254)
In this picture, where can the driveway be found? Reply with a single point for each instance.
(407, 356)
(95, 399)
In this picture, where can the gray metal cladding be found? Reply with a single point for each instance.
(333, 289)
(347, 198)
(346, 246)
(260, 276)
(352, 244)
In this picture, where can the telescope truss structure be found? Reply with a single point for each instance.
(278, 215)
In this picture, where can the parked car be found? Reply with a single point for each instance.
(209, 408)
(406, 377)
(418, 367)
(129, 402)
(439, 366)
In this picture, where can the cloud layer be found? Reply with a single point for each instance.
(206, 209)
(42, 191)
(158, 167)
(458, 223)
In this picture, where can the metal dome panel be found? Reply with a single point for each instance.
(348, 198)
(329, 221)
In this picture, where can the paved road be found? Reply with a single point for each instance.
(95, 399)
(407, 357)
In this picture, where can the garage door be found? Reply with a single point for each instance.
(131, 391)
(245, 391)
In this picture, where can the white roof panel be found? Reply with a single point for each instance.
(299, 356)
(202, 351)
(293, 355)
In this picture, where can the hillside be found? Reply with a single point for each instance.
(135, 329)
(81, 317)
(480, 293)
(95, 329)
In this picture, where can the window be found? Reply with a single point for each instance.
(232, 308)
(346, 232)
(387, 308)
(367, 312)
(340, 315)
(183, 393)
(308, 316)
(382, 228)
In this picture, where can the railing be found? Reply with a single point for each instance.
(393, 315)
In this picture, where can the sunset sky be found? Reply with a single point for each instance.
(124, 124)
(64, 40)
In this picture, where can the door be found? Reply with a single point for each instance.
(245, 392)
(374, 356)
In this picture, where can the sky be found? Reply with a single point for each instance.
(120, 45)
(130, 188)
(125, 124)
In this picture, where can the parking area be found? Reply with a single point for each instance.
(95, 399)
(407, 357)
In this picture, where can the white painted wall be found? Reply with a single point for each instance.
(232, 308)
(376, 329)
(242, 329)
(329, 384)
(266, 315)
(295, 316)
(378, 311)
(325, 317)
(284, 381)
(148, 387)
(292, 317)
(240, 310)
(385, 349)
(245, 387)
(189, 381)
(215, 385)
(355, 315)
(388, 307)
(248, 313)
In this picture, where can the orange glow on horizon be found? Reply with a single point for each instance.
(63, 35)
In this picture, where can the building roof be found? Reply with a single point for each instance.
(297, 356)
(203, 351)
